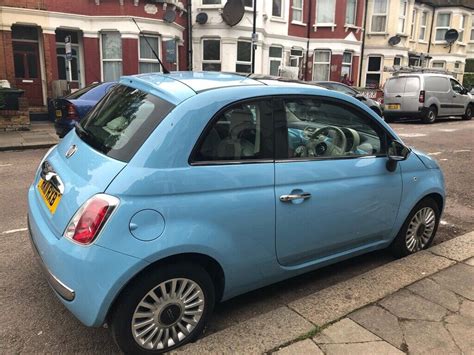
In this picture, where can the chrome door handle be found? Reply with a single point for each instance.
(291, 197)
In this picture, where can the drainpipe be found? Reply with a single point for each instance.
(431, 31)
(190, 36)
(364, 29)
(308, 35)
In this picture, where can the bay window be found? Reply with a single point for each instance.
(346, 64)
(111, 45)
(297, 9)
(211, 54)
(402, 15)
(244, 57)
(442, 25)
(413, 24)
(379, 16)
(374, 71)
(322, 65)
(277, 10)
(351, 11)
(462, 24)
(147, 60)
(325, 11)
(423, 20)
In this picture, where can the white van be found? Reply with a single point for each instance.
(426, 96)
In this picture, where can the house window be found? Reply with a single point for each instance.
(211, 2)
(374, 72)
(211, 54)
(442, 25)
(325, 10)
(423, 20)
(111, 56)
(244, 57)
(297, 9)
(462, 24)
(458, 66)
(402, 16)
(351, 8)
(295, 57)
(248, 3)
(413, 24)
(322, 64)
(379, 16)
(437, 65)
(397, 61)
(147, 60)
(346, 67)
(277, 8)
(275, 55)
(472, 28)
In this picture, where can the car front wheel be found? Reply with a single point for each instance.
(163, 309)
(469, 112)
(430, 115)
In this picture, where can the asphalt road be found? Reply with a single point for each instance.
(33, 320)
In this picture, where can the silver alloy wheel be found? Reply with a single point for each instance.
(168, 314)
(420, 229)
(431, 115)
(469, 112)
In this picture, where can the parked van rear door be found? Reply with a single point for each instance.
(411, 94)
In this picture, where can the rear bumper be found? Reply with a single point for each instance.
(422, 111)
(86, 279)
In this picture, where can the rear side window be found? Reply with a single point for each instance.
(122, 121)
(396, 85)
(436, 84)
(77, 94)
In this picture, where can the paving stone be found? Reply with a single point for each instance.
(470, 261)
(467, 308)
(381, 323)
(306, 347)
(373, 347)
(424, 337)
(458, 278)
(407, 305)
(256, 335)
(463, 336)
(434, 292)
(337, 301)
(460, 248)
(344, 331)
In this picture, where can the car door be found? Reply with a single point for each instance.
(459, 100)
(331, 197)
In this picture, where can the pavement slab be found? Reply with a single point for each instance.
(344, 331)
(470, 261)
(459, 279)
(458, 249)
(372, 347)
(462, 336)
(432, 291)
(306, 347)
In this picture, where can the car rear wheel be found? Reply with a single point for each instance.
(430, 115)
(419, 229)
(469, 112)
(163, 309)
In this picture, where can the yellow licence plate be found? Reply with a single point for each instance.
(394, 107)
(50, 195)
(59, 113)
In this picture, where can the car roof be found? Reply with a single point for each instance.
(181, 85)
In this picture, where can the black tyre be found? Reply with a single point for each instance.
(377, 111)
(388, 119)
(469, 112)
(419, 229)
(163, 309)
(430, 115)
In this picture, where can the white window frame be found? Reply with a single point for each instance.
(330, 24)
(461, 30)
(442, 27)
(379, 72)
(438, 62)
(298, 58)
(355, 14)
(414, 18)
(249, 7)
(322, 63)
(300, 9)
(149, 60)
(401, 61)
(282, 10)
(347, 64)
(211, 61)
(241, 62)
(210, 5)
(402, 16)
(102, 59)
(275, 59)
(379, 14)
(423, 26)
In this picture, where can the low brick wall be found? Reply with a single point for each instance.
(16, 120)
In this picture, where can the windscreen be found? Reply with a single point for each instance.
(77, 94)
(122, 121)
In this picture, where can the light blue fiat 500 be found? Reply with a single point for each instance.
(185, 189)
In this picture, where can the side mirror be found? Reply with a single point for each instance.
(397, 151)
(464, 91)
(360, 97)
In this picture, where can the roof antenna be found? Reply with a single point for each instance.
(165, 71)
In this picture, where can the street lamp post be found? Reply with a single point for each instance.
(254, 35)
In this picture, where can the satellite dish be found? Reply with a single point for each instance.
(451, 36)
(201, 18)
(233, 12)
(393, 41)
(170, 16)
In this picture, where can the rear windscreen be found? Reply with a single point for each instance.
(122, 121)
(395, 85)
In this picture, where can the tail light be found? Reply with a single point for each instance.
(71, 112)
(88, 221)
(421, 98)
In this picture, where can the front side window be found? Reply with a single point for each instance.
(322, 64)
(402, 16)
(320, 128)
(297, 9)
(423, 19)
(275, 55)
(374, 72)
(325, 11)
(211, 54)
(121, 122)
(111, 56)
(379, 16)
(351, 10)
(442, 25)
(243, 132)
(147, 60)
(457, 88)
(244, 57)
(277, 10)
